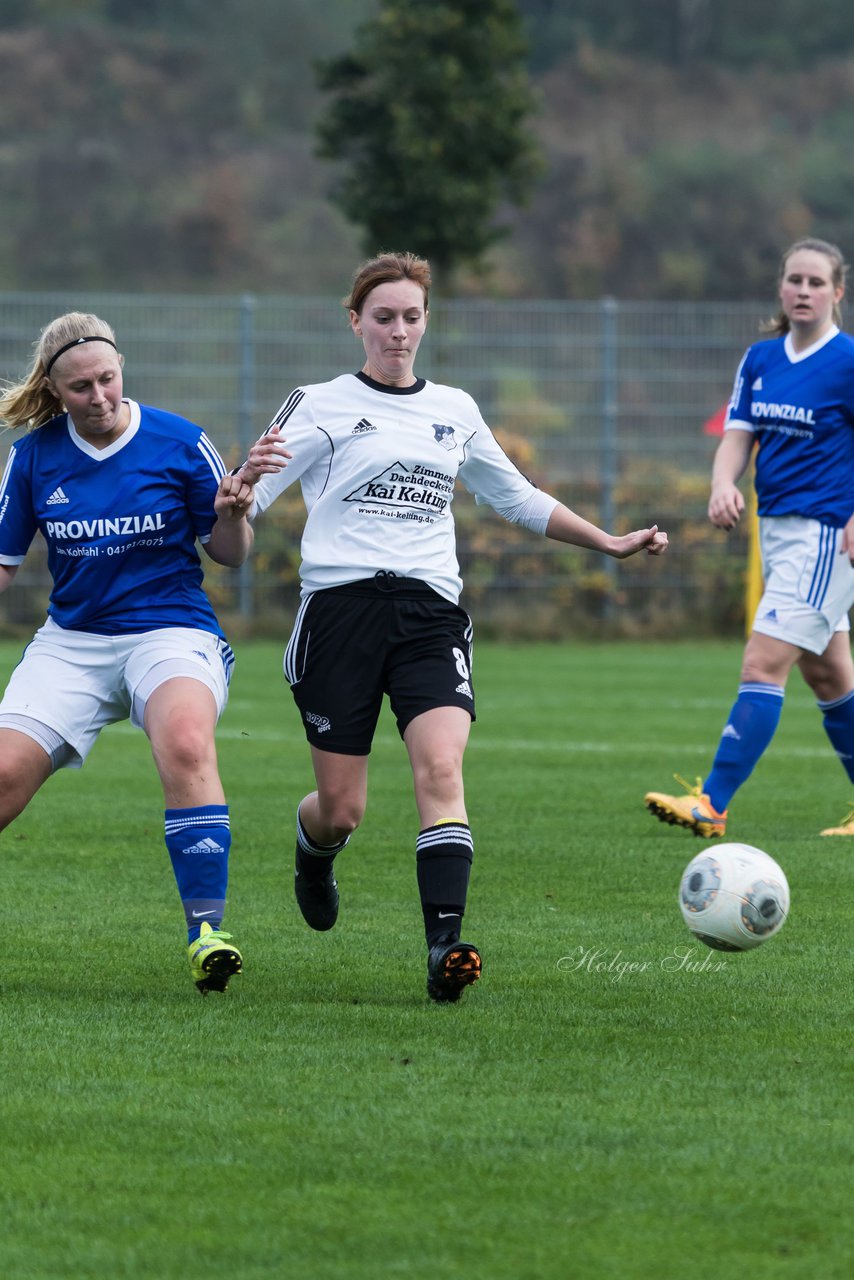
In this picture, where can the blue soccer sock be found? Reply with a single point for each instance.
(839, 727)
(751, 726)
(199, 841)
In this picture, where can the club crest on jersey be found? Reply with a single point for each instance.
(444, 435)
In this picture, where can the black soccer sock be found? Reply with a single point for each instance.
(314, 860)
(443, 855)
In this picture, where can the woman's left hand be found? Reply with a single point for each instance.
(233, 498)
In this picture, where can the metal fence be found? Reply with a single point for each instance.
(602, 403)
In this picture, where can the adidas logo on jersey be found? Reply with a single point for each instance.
(205, 846)
(757, 385)
(363, 427)
(56, 497)
(465, 688)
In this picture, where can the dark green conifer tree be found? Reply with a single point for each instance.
(428, 115)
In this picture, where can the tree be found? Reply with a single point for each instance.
(428, 115)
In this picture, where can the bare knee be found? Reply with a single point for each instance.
(830, 675)
(343, 817)
(767, 660)
(822, 685)
(338, 815)
(20, 779)
(827, 683)
(186, 750)
(439, 776)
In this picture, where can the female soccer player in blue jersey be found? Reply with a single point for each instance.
(794, 398)
(121, 492)
(378, 453)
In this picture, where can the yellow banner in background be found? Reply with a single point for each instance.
(753, 576)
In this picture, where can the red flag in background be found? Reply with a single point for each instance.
(714, 426)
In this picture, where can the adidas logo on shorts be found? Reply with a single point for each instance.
(465, 688)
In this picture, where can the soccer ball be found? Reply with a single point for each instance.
(734, 897)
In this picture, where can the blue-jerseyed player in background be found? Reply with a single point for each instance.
(794, 398)
(121, 493)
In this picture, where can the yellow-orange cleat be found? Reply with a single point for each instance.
(451, 967)
(693, 810)
(213, 960)
(845, 828)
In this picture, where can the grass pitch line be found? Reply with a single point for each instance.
(529, 745)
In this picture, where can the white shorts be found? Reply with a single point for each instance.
(73, 683)
(809, 583)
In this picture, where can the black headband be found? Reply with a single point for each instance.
(76, 342)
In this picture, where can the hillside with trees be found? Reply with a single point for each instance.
(173, 146)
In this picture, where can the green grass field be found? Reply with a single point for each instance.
(571, 1118)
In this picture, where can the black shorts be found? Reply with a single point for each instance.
(384, 635)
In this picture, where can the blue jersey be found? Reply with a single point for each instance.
(120, 523)
(800, 407)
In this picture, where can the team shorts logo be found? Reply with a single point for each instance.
(321, 723)
(444, 435)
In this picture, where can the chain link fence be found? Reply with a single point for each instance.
(601, 403)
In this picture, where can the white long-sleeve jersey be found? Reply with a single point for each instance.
(377, 466)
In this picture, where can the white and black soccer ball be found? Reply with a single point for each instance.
(734, 897)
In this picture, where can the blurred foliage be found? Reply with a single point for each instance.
(788, 33)
(170, 146)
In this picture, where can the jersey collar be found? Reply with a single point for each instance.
(796, 356)
(418, 385)
(112, 449)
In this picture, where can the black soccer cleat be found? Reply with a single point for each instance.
(317, 899)
(451, 967)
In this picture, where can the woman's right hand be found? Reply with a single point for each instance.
(725, 505)
(267, 456)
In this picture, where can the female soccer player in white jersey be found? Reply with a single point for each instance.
(378, 453)
(794, 398)
(120, 492)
